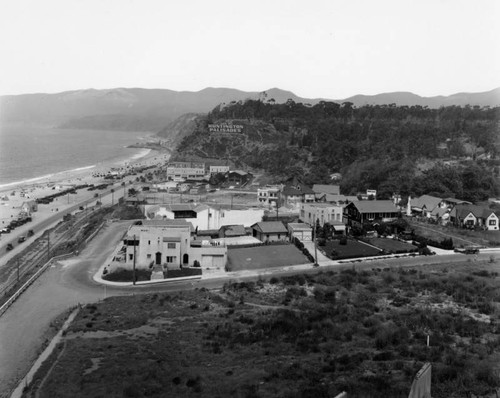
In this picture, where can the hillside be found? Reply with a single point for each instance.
(375, 147)
(136, 109)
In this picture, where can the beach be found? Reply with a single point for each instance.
(13, 195)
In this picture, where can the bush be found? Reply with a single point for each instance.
(343, 240)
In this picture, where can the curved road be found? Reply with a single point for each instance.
(24, 326)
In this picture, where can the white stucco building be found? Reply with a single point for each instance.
(204, 216)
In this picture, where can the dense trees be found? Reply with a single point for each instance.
(374, 146)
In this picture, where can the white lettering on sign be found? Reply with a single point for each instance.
(225, 128)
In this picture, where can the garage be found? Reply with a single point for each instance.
(209, 261)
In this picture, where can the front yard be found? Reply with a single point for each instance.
(264, 257)
(392, 245)
(335, 251)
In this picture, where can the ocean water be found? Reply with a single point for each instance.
(29, 153)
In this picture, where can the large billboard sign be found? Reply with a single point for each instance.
(225, 128)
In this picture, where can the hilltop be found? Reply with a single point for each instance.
(138, 109)
(373, 146)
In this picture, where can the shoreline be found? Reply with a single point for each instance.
(13, 195)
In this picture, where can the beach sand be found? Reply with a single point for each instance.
(12, 196)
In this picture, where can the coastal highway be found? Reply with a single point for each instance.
(24, 326)
(40, 224)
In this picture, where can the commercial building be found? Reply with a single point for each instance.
(185, 170)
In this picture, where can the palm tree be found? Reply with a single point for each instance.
(112, 196)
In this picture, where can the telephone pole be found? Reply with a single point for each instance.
(133, 273)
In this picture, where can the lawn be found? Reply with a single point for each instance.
(352, 249)
(392, 245)
(264, 257)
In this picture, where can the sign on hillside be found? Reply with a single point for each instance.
(225, 128)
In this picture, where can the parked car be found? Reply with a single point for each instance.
(21, 239)
(30, 233)
(9, 246)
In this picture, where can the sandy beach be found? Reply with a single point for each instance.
(13, 195)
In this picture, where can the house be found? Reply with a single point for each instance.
(300, 231)
(219, 170)
(370, 211)
(337, 199)
(232, 231)
(369, 195)
(238, 177)
(330, 189)
(268, 195)
(185, 170)
(452, 202)
(29, 207)
(168, 243)
(204, 216)
(269, 231)
(470, 216)
(425, 205)
(324, 212)
(294, 192)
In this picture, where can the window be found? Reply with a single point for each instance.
(279, 236)
(493, 222)
(148, 256)
(171, 259)
(171, 245)
(149, 242)
(130, 256)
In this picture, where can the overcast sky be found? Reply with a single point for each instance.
(330, 49)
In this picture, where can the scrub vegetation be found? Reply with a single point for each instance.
(364, 332)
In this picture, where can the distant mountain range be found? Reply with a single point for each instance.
(136, 109)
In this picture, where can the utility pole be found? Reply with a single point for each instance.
(315, 246)
(133, 273)
(48, 246)
(18, 270)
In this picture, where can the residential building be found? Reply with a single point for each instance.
(470, 216)
(168, 243)
(204, 216)
(294, 192)
(300, 231)
(425, 205)
(324, 212)
(238, 177)
(185, 170)
(268, 195)
(326, 189)
(369, 211)
(219, 169)
(269, 231)
(231, 231)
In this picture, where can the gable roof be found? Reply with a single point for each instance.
(427, 201)
(327, 189)
(375, 206)
(463, 210)
(299, 189)
(270, 227)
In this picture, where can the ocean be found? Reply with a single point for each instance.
(29, 153)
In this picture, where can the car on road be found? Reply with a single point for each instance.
(21, 239)
(9, 246)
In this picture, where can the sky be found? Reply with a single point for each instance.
(317, 49)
